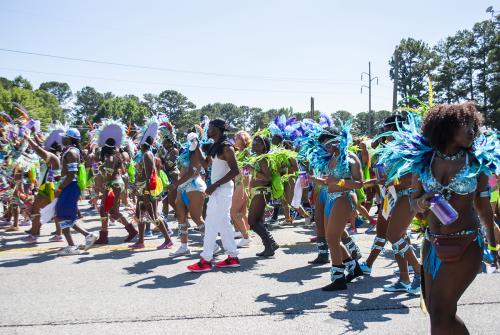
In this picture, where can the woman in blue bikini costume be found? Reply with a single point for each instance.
(345, 177)
(453, 160)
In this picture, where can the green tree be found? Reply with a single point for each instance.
(466, 64)
(5, 83)
(446, 75)
(416, 62)
(62, 91)
(484, 36)
(22, 83)
(493, 81)
(176, 106)
(342, 115)
(87, 104)
(40, 104)
(361, 121)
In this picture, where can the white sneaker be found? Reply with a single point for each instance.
(181, 251)
(217, 249)
(68, 251)
(89, 241)
(244, 242)
(238, 235)
(112, 223)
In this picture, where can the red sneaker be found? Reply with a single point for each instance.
(201, 266)
(229, 262)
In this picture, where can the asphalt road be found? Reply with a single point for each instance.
(112, 290)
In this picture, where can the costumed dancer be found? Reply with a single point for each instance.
(50, 173)
(224, 169)
(111, 137)
(260, 192)
(395, 214)
(190, 189)
(239, 205)
(148, 186)
(451, 163)
(169, 154)
(344, 178)
(68, 194)
(317, 157)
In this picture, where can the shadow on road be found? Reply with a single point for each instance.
(297, 275)
(179, 280)
(38, 258)
(349, 301)
(360, 310)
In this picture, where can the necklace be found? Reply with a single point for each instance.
(454, 157)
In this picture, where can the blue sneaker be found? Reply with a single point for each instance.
(365, 268)
(414, 288)
(410, 270)
(398, 286)
(148, 233)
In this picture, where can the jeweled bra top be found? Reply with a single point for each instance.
(342, 170)
(462, 183)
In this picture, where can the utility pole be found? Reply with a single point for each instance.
(369, 87)
(312, 108)
(396, 81)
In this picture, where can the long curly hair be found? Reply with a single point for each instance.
(442, 122)
(244, 136)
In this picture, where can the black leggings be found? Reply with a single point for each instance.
(256, 218)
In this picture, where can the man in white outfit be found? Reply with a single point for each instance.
(224, 169)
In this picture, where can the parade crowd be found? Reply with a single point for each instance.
(430, 171)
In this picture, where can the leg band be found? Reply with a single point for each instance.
(183, 228)
(379, 240)
(336, 273)
(404, 247)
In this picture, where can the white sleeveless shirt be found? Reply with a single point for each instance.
(219, 169)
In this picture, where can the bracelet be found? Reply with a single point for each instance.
(493, 248)
(341, 183)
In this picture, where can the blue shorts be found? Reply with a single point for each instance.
(67, 203)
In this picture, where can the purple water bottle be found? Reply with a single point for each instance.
(443, 210)
(95, 168)
(31, 123)
(380, 172)
(21, 131)
(303, 179)
(50, 176)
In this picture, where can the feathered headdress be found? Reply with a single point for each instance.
(166, 128)
(344, 140)
(55, 133)
(312, 153)
(486, 149)
(114, 129)
(150, 129)
(408, 152)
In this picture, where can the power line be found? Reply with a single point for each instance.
(170, 84)
(164, 69)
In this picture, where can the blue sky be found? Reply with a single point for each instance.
(266, 53)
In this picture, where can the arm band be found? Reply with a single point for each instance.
(486, 193)
(493, 248)
(72, 167)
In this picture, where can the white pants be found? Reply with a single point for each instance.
(219, 221)
(297, 194)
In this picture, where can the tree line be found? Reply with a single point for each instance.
(55, 101)
(465, 66)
